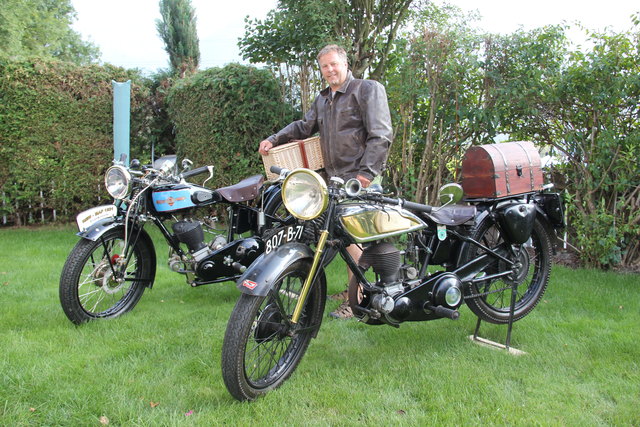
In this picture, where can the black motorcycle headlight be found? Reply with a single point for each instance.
(117, 179)
(305, 194)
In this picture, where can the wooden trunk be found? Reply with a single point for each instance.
(501, 170)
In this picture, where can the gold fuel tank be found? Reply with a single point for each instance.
(366, 223)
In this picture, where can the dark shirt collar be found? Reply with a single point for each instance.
(326, 92)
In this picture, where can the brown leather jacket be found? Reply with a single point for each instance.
(354, 126)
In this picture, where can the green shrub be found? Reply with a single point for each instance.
(220, 116)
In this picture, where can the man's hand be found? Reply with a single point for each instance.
(265, 146)
(365, 182)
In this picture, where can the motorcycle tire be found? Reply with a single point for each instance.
(88, 289)
(491, 300)
(260, 351)
(276, 213)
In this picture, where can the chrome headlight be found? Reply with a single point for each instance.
(305, 194)
(118, 182)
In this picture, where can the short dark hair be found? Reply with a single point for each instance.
(333, 48)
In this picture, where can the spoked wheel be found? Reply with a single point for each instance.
(490, 300)
(99, 280)
(261, 347)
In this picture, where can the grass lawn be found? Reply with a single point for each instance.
(160, 363)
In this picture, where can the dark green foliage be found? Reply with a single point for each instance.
(291, 34)
(451, 87)
(56, 126)
(288, 40)
(584, 105)
(177, 29)
(435, 88)
(220, 116)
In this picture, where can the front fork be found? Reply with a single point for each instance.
(307, 283)
(322, 242)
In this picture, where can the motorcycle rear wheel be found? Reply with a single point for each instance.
(492, 299)
(276, 213)
(260, 350)
(88, 287)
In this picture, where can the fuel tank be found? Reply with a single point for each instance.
(181, 196)
(366, 223)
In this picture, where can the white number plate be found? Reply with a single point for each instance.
(282, 236)
(91, 216)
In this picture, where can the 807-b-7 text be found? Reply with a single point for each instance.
(288, 234)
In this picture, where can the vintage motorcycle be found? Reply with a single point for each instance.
(108, 270)
(489, 250)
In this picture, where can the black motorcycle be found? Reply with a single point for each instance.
(494, 255)
(108, 270)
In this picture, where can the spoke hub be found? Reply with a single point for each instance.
(270, 325)
(520, 268)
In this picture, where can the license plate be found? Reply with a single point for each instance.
(282, 236)
(88, 218)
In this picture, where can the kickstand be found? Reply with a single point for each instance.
(507, 344)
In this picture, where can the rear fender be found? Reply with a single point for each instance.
(550, 229)
(260, 276)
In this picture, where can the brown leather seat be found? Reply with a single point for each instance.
(247, 189)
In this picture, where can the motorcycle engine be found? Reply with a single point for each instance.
(385, 260)
(190, 233)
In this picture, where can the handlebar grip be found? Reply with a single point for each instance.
(276, 169)
(412, 206)
(196, 171)
(419, 207)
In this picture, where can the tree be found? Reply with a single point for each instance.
(177, 29)
(585, 106)
(289, 39)
(42, 28)
(367, 29)
(436, 93)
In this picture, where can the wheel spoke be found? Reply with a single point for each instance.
(529, 277)
(100, 297)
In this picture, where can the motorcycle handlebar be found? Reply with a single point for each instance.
(196, 171)
(275, 169)
(412, 206)
(419, 207)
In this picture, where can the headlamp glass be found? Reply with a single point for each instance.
(305, 194)
(118, 182)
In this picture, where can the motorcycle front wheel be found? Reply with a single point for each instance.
(261, 348)
(98, 282)
(490, 300)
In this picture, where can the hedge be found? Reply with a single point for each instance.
(56, 126)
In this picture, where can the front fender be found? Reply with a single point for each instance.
(99, 229)
(258, 278)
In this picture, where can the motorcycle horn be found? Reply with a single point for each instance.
(352, 187)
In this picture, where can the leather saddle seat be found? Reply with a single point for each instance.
(247, 189)
(452, 214)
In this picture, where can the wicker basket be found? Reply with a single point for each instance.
(297, 154)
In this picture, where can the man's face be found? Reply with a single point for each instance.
(334, 70)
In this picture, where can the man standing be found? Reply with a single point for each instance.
(352, 117)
